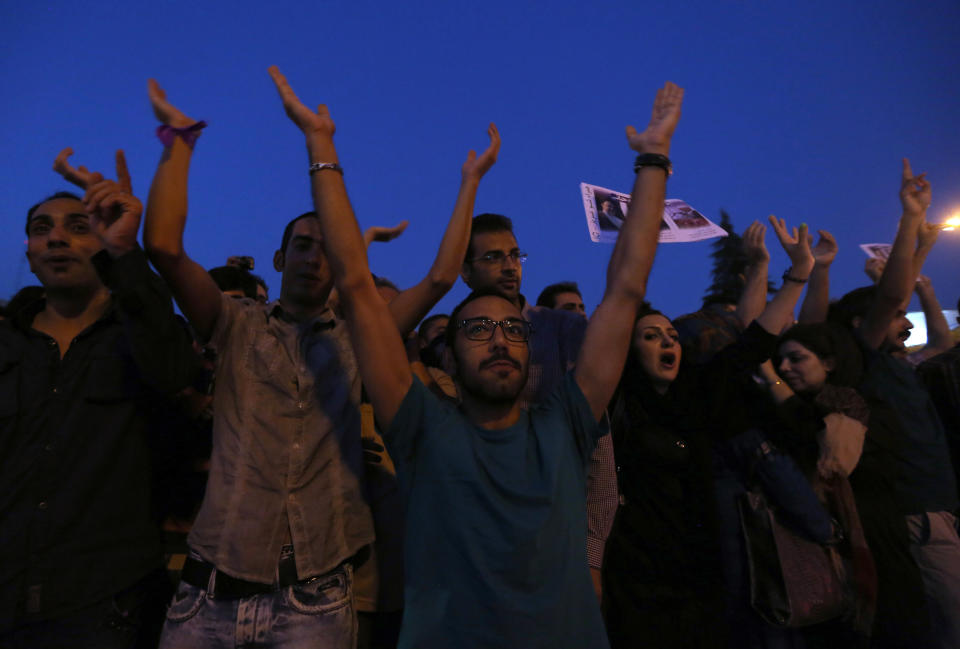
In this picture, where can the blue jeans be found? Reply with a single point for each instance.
(314, 613)
(935, 545)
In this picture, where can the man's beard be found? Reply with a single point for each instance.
(498, 393)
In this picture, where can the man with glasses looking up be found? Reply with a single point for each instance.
(494, 263)
(495, 493)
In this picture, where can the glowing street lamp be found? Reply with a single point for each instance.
(951, 224)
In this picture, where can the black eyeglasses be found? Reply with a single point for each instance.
(514, 330)
(498, 257)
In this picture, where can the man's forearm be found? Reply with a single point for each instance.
(898, 277)
(817, 300)
(342, 239)
(166, 215)
(636, 245)
(754, 297)
(456, 238)
(779, 313)
(410, 306)
(938, 330)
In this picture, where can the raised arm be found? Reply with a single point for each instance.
(195, 291)
(817, 300)
(380, 353)
(411, 305)
(607, 339)
(161, 348)
(779, 313)
(899, 275)
(754, 297)
(938, 329)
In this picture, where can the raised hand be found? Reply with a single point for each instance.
(163, 109)
(796, 243)
(79, 176)
(384, 234)
(476, 166)
(874, 268)
(114, 210)
(666, 113)
(826, 249)
(914, 191)
(754, 246)
(309, 122)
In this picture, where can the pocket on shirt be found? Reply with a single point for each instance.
(322, 595)
(186, 602)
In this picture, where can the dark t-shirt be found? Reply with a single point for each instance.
(925, 480)
(496, 526)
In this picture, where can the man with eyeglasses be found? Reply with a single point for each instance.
(494, 263)
(496, 494)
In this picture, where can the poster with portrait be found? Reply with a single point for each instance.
(879, 251)
(606, 211)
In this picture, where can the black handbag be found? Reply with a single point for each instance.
(794, 582)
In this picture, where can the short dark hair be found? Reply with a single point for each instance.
(52, 197)
(829, 341)
(234, 278)
(548, 296)
(451, 333)
(288, 231)
(426, 323)
(854, 304)
(646, 309)
(487, 222)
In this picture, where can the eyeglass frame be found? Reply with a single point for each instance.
(497, 323)
(499, 257)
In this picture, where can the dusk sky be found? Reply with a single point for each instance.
(803, 110)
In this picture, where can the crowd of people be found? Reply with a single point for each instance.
(339, 468)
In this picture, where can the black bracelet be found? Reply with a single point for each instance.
(788, 278)
(653, 160)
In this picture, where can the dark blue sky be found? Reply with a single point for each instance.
(801, 109)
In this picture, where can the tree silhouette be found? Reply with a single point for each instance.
(729, 266)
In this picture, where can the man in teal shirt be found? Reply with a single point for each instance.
(496, 526)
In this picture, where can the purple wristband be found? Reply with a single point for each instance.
(188, 134)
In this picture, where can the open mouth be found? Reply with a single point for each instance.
(903, 335)
(668, 360)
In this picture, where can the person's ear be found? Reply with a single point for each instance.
(466, 272)
(856, 321)
(278, 260)
(449, 361)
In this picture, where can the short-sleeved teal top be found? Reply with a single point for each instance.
(496, 525)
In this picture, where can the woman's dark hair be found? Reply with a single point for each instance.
(830, 342)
